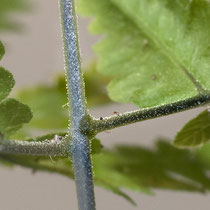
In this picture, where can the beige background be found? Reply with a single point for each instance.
(34, 56)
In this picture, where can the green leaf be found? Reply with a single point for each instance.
(49, 102)
(13, 115)
(135, 168)
(139, 169)
(6, 83)
(157, 52)
(195, 133)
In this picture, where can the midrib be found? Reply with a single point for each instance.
(163, 48)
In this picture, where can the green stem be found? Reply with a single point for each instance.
(51, 147)
(79, 148)
(107, 123)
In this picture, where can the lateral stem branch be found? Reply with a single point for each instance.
(108, 123)
(51, 147)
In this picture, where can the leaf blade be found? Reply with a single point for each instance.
(154, 53)
(195, 133)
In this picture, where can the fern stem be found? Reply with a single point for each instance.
(51, 147)
(107, 123)
(79, 147)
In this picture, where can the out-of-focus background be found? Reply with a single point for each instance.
(34, 55)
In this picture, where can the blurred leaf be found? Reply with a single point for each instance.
(9, 8)
(140, 169)
(136, 168)
(62, 166)
(157, 52)
(49, 102)
(195, 133)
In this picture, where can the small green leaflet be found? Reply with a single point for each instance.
(13, 114)
(157, 52)
(134, 168)
(195, 133)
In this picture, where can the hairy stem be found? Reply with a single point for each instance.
(51, 147)
(108, 123)
(79, 148)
